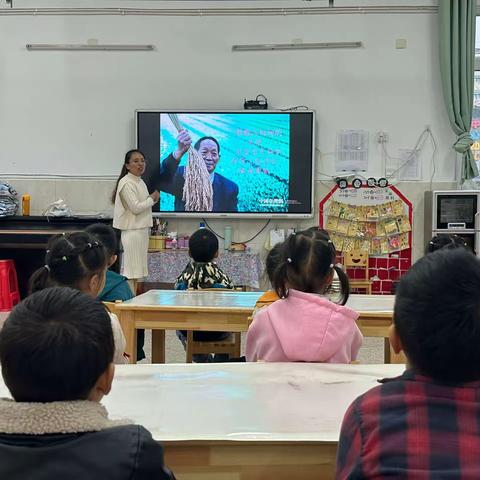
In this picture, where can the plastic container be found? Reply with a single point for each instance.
(227, 243)
(25, 205)
(9, 292)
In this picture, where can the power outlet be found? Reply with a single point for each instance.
(381, 137)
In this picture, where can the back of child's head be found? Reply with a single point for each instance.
(307, 264)
(106, 235)
(445, 241)
(70, 260)
(55, 345)
(203, 245)
(273, 260)
(437, 315)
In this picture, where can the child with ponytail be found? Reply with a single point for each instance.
(304, 326)
(79, 261)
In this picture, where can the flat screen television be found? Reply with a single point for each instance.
(260, 163)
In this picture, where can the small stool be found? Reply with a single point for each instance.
(228, 346)
(9, 292)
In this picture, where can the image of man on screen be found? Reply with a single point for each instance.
(225, 192)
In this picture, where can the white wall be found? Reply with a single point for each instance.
(72, 113)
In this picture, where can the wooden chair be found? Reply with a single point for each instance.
(358, 259)
(230, 347)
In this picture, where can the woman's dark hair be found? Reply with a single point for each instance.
(70, 258)
(445, 241)
(437, 315)
(307, 263)
(124, 170)
(55, 345)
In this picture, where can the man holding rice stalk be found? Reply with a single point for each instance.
(197, 187)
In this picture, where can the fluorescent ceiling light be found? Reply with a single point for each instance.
(89, 47)
(294, 46)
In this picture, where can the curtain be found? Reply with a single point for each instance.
(457, 65)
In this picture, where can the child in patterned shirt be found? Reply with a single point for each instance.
(202, 272)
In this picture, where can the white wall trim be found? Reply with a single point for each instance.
(245, 11)
(40, 176)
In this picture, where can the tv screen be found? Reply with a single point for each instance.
(241, 163)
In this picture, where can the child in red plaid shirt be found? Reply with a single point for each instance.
(424, 424)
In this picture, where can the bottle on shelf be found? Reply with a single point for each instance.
(25, 205)
(227, 238)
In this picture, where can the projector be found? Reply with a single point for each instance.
(260, 103)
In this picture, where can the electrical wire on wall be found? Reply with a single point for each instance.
(295, 108)
(238, 243)
(419, 145)
(425, 135)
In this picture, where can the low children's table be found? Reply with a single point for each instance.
(222, 311)
(242, 421)
(248, 421)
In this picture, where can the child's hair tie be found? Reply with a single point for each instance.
(332, 265)
(289, 260)
(89, 245)
(47, 268)
(329, 241)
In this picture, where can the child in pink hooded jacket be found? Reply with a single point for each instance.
(304, 326)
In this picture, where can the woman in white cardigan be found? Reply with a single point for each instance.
(132, 215)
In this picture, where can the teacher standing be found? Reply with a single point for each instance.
(132, 215)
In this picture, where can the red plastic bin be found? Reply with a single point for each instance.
(9, 292)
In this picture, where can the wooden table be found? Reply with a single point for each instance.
(251, 421)
(162, 310)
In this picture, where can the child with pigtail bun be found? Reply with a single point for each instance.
(304, 325)
(79, 261)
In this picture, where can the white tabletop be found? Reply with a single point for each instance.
(3, 317)
(243, 402)
(240, 300)
(371, 303)
(256, 401)
(195, 298)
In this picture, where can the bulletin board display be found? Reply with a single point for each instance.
(375, 220)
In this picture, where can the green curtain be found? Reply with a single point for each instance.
(457, 66)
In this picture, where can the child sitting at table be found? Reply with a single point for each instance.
(304, 326)
(56, 352)
(272, 261)
(78, 260)
(424, 424)
(200, 273)
(116, 285)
